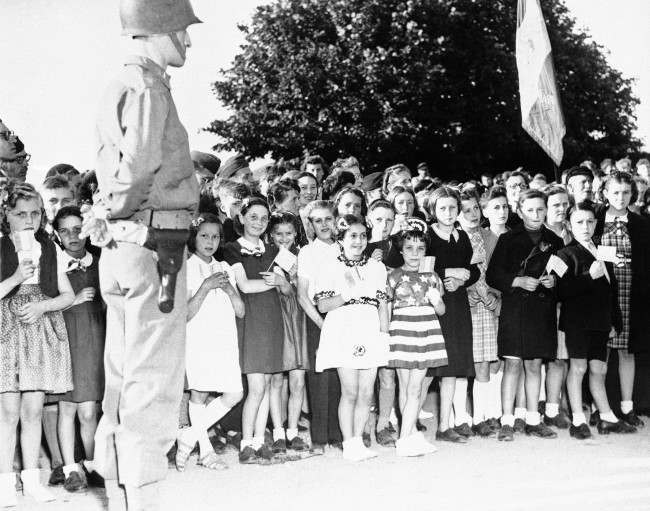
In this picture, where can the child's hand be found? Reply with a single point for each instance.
(434, 296)
(87, 294)
(491, 301)
(273, 279)
(377, 254)
(452, 283)
(293, 271)
(548, 281)
(216, 281)
(526, 283)
(24, 271)
(457, 273)
(30, 312)
(597, 269)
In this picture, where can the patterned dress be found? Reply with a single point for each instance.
(485, 322)
(615, 234)
(416, 340)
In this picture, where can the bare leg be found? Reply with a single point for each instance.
(533, 370)
(296, 397)
(386, 396)
(555, 374)
(67, 430)
(31, 415)
(626, 374)
(87, 413)
(447, 388)
(349, 390)
(263, 410)
(577, 370)
(50, 429)
(9, 417)
(365, 390)
(256, 391)
(275, 399)
(411, 379)
(512, 375)
(597, 374)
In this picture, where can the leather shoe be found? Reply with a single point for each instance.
(520, 426)
(464, 430)
(560, 421)
(483, 429)
(606, 427)
(581, 432)
(385, 438)
(57, 476)
(449, 435)
(506, 434)
(541, 430)
(632, 419)
(594, 418)
(74, 482)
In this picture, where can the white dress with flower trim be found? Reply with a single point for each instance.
(350, 337)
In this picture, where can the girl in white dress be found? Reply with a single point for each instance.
(212, 351)
(354, 336)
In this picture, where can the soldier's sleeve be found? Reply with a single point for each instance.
(141, 147)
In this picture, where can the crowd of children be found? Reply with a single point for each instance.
(317, 295)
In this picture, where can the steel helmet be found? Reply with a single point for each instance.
(151, 17)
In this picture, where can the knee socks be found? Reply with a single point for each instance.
(481, 400)
(460, 403)
(495, 410)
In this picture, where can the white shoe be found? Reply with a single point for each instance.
(354, 450)
(8, 490)
(425, 445)
(33, 488)
(424, 415)
(414, 445)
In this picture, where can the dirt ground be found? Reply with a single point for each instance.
(604, 473)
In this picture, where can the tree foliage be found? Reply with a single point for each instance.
(413, 80)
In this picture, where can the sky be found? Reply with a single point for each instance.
(56, 61)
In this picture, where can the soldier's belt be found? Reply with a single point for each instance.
(172, 219)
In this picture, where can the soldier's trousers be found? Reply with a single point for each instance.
(144, 362)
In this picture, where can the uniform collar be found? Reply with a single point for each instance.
(251, 246)
(149, 65)
(72, 263)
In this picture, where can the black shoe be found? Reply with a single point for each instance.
(419, 426)
(233, 438)
(385, 438)
(464, 430)
(247, 455)
(450, 435)
(75, 482)
(265, 452)
(298, 444)
(606, 427)
(336, 444)
(506, 434)
(218, 445)
(632, 419)
(594, 418)
(494, 424)
(94, 480)
(391, 428)
(560, 421)
(483, 429)
(581, 432)
(366, 439)
(279, 446)
(57, 477)
(520, 426)
(541, 406)
(541, 431)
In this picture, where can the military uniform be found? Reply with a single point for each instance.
(146, 177)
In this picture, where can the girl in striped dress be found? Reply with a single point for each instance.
(416, 341)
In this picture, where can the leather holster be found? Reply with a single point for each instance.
(169, 245)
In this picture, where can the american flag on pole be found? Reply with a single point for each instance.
(541, 112)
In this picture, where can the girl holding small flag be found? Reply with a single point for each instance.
(261, 331)
(283, 230)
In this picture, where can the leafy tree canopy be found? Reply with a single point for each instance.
(413, 80)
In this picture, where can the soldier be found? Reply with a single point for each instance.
(147, 196)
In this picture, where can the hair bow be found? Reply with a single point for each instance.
(76, 264)
(342, 224)
(414, 224)
(197, 222)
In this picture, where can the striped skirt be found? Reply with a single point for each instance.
(416, 340)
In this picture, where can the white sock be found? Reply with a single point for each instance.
(532, 418)
(292, 433)
(198, 431)
(460, 402)
(542, 384)
(520, 413)
(215, 411)
(626, 406)
(495, 410)
(90, 465)
(247, 442)
(608, 417)
(551, 409)
(508, 420)
(258, 441)
(68, 469)
(481, 395)
(578, 419)
(279, 434)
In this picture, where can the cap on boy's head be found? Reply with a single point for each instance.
(372, 181)
(206, 161)
(232, 165)
(579, 171)
(423, 166)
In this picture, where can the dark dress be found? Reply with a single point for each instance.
(86, 325)
(456, 322)
(528, 320)
(260, 331)
(391, 256)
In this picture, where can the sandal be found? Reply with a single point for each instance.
(183, 452)
(212, 461)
